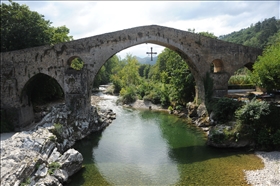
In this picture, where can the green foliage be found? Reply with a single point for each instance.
(224, 109)
(58, 129)
(239, 80)
(261, 121)
(22, 28)
(144, 70)
(170, 108)
(59, 34)
(253, 111)
(256, 35)
(208, 34)
(266, 72)
(107, 70)
(117, 82)
(218, 137)
(52, 167)
(171, 70)
(77, 64)
(52, 138)
(26, 182)
(128, 94)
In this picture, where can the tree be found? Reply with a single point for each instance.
(172, 71)
(267, 67)
(208, 34)
(23, 28)
(256, 35)
(107, 70)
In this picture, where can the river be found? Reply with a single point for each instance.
(143, 147)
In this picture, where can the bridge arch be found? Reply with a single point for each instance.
(188, 52)
(39, 89)
(217, 65)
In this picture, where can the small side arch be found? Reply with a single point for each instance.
(75, 62)
(41, 88)
(217, 66)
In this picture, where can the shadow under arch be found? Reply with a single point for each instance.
(39, 90)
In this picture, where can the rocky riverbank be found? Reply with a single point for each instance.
(43, 155)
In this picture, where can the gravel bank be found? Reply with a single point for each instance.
(270, 174)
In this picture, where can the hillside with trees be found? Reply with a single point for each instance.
(257, 35)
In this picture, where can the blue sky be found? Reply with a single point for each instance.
(89, 18)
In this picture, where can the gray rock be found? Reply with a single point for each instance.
(54, 156)
(61, 175)
(71, 161)
(47, 181)
(42, 171)
(201, 110)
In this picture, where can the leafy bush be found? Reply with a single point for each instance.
(77, 64)
(266, 69)
(58, 129)
(239, 80)
(224, 109)
(253, 111)
(262, 123)
(128, 94)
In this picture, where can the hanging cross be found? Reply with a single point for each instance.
(151, 53)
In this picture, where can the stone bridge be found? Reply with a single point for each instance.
(199, 52)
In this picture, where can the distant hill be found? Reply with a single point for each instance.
(257, 35)
(147, 60)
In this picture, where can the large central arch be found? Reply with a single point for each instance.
(184, 43)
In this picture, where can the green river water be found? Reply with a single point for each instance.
(155, 148)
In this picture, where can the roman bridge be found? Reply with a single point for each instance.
(199, 52)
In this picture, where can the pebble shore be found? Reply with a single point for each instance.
(270, 174)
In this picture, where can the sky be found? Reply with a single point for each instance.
(90, 18)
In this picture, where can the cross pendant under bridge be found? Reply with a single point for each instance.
(151, 53)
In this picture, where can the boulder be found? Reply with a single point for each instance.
(192, 110)
(71, 161)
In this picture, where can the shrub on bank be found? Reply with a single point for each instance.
(224, 109)
(257, 123)
(128, 95)
(261, 121)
